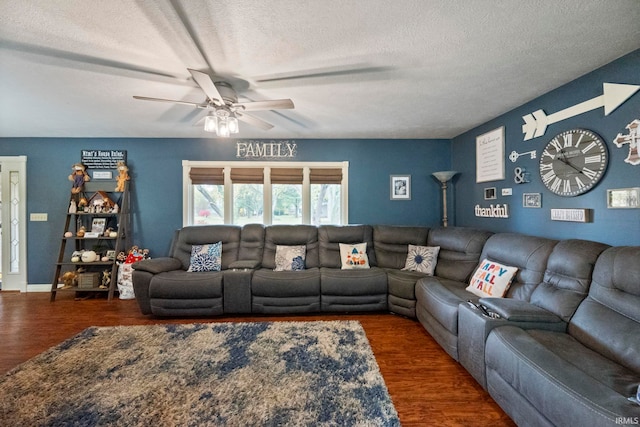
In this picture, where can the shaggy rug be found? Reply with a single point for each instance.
(237, 374)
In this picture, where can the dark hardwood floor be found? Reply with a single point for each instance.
(428, 388)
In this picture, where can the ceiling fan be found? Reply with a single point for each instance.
(223, 107)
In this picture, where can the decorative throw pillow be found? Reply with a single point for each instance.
(491, 279)
(205, 257)
(422, 259)
(290, 258)
(354, 256)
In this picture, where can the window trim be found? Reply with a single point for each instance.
(187, 188)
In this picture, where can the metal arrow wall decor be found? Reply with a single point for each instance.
(613, 95)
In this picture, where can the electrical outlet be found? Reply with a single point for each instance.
(39, 217)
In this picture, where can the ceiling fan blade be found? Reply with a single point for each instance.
(190, 104)
(199, 122)
(324, 72)
(254, 121)
(205, 82)
(274, 104)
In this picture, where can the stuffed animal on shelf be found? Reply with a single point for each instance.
(123, 176)
(106, 279)
(69, 279)
(78, 177)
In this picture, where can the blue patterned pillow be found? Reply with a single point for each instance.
(422, 259)
(290, 258)
(205, 257)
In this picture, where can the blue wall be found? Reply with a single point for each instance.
(612, 226)
(156, 170)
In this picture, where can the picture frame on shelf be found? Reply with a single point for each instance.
(532, 200)
(400, 187)
(623, 198)
(98, 225)
(111, 254)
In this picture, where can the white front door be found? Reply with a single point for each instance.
(13, 196)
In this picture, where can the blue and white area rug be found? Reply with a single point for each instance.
(235, 374)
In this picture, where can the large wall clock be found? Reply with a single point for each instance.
(573, 162)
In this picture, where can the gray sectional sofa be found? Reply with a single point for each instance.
(561, 348)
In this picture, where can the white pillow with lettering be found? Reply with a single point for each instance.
(491, 279)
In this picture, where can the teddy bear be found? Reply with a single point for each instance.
(123, 176)
(78, 177)
(69, 279)
(106, 279)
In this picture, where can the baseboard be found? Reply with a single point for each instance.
(39, 288)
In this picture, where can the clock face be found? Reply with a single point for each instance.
(573, 162)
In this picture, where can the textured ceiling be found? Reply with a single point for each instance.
(353, 68)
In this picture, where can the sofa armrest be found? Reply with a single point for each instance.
(158, 265)
(244, 264)
(518, 311)
(477, 320)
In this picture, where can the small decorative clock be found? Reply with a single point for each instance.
(573, 162)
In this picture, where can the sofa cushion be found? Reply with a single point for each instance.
(205, 257)
(229, 235)
(422, 259)
(608, 320)
(282, 284)
(528, 253)
(566, 382)
(290, 258)
(371, 281)
(290, 235)
(391, 243)
(179, 284)
(441, 298)
(460, 249)
(402, 283)
(354, 256)
(491, 279)
(567, 277)
(251, 242)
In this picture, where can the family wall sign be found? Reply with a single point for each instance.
(266, 149)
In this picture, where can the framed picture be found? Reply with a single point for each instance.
(532, 200)
(490, 156)
(111, 254)
(400, 187)
(490, 193)
(98, 225)
(623, 198)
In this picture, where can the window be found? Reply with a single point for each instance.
(208, 195)
(268, 193)
(286, 195)
(325, 195)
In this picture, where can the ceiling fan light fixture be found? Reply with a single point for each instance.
(223, 127)
(211, 124)
(233, 124)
